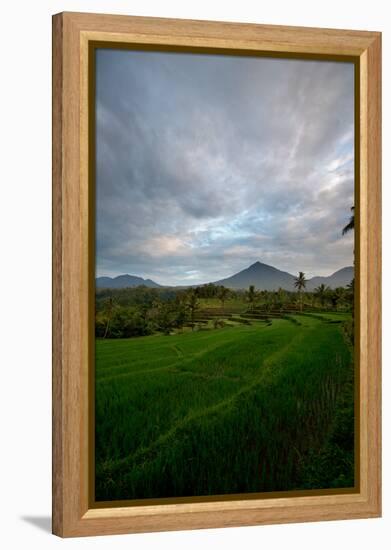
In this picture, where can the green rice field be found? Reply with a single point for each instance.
(256, 407)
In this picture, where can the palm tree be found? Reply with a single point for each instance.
(251, 296)
(350, 295)
(300, 282)
(349, 226)
(281, 294)
(109, 311)
(264, 296)
(338, 296)
(192, 304)
(223, 295)
(321, 293)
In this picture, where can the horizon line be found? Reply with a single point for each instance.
(146, 278)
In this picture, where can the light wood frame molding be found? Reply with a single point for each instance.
(73, 514)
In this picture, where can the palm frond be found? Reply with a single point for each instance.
(349, 226)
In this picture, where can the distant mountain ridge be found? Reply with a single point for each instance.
(267, 277)
(124, 281)
(262, 276)
(342, 277)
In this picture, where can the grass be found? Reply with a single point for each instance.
(236, 304)
(245, 408)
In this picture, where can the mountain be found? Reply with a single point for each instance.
(342, 277)
(262, 276)
(266, 277)
(124, 281)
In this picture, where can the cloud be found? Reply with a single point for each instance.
(207, 163)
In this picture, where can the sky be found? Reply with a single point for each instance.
(206, 164)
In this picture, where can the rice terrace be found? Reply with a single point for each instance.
(224, 275)
(244, 392)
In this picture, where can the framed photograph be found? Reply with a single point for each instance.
(216, 274)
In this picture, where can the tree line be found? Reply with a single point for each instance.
(140, 311)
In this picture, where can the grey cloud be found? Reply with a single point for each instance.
(207, 163)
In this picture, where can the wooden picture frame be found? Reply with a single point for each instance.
(73, 33)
